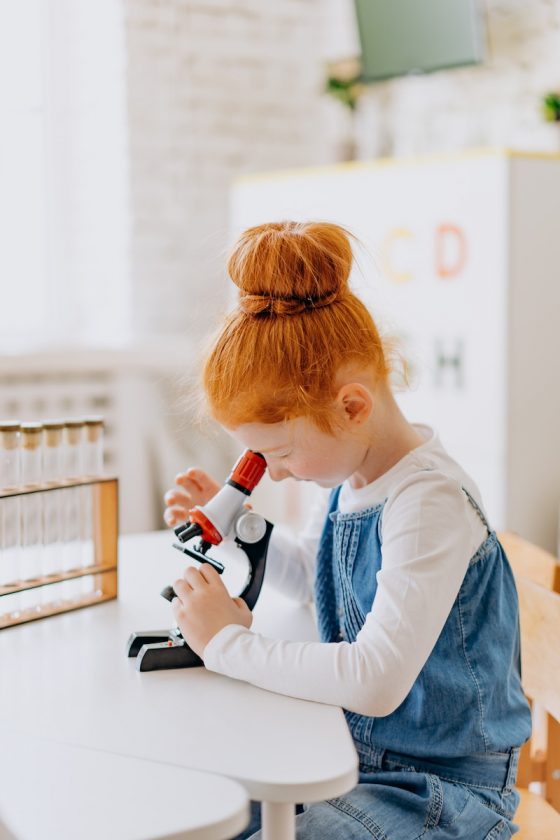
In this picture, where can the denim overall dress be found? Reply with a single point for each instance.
(443, 765)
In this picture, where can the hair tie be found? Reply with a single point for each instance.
(285, 305)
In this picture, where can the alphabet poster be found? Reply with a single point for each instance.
(433, 271)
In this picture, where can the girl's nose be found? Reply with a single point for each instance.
(277, 473)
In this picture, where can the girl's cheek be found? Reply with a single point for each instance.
(306, 471)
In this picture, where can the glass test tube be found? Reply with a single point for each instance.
(31, 511)
(93, 448)
(92, 467)
(71, 513)
(52, 506)
(10, 538)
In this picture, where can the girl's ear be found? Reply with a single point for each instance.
(355, 403)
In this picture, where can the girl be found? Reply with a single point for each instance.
(415, 599)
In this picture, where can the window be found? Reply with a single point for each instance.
(23, 276)
(63, 175)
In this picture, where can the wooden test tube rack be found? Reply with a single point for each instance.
(105, 530)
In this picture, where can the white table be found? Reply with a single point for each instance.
(67, 678)
(51, 791)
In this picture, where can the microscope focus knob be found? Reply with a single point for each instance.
(250, 527)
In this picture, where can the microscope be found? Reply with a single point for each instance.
(225, 514)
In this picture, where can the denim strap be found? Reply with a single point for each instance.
(478, 509)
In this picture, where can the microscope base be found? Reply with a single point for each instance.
(160, 650)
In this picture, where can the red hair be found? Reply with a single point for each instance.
(297, 323)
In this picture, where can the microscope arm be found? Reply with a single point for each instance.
(161, 650)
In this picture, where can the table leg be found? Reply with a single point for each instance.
(278, 820)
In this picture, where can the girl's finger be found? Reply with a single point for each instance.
(240, 603)
(194, 578)
(243, 609)
(173, 515)
(182, 588)
(210, 574)
(178, 495)
(199, 480)
(179, 509)
(190, 478)
(176, 606)
(205, 481)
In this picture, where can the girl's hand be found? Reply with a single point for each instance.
(203, 606)
(193, 487)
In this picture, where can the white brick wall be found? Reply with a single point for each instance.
(216, 88)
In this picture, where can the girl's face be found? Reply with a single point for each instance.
(298, 449)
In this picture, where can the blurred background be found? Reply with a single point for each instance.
(124, 126)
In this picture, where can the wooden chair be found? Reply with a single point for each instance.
(537, 576)
(530, 561)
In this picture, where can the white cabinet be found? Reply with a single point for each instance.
(461, 263)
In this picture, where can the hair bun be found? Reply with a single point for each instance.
(285, 268)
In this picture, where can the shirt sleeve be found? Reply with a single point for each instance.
(291, 560)
(429, 534)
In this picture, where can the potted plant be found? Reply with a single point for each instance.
(551, 107)
(343, 84)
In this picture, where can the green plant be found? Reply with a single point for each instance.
(343, 82)
(551, 107)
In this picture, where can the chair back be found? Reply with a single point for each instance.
(531, 561)
(537, 577)
(539, 612)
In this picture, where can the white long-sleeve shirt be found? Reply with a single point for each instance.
(429, 532)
